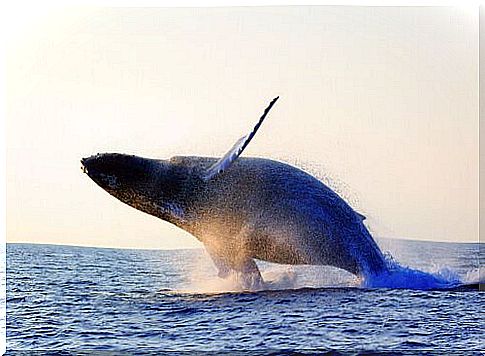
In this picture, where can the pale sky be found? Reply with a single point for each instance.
(380, 102)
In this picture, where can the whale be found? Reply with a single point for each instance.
(244, 209)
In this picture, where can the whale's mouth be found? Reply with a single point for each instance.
(83, 165)
(107, 181)
(84, 169)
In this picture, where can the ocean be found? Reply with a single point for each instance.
(83, 299)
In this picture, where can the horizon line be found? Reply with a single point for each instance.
(201, 248)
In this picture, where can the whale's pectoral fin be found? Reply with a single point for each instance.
(249, 277)
(222, 264)
(243, 270)
(225, 162)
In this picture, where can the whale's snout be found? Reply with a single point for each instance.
(113, 171)
(93, 165)
(84, 167)
(105, 169)
(134, 180)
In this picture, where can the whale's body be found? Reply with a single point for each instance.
(275, 212)
(259, 209)
(244, 209)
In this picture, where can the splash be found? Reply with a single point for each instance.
(474, 276)
(278, 278)
(203, 276)
(402, 277)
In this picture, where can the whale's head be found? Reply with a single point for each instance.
(177, 190)
(125, 176)
(150, 185)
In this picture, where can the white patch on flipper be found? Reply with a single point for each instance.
(225, 162)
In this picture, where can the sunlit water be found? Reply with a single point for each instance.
(92, 299)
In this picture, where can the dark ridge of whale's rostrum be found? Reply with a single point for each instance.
(243, 209)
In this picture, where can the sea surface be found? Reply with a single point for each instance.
(82, 299)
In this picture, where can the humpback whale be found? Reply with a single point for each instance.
(243, 209)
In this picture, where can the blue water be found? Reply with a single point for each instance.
(92, 299)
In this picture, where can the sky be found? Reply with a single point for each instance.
(381, 103)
